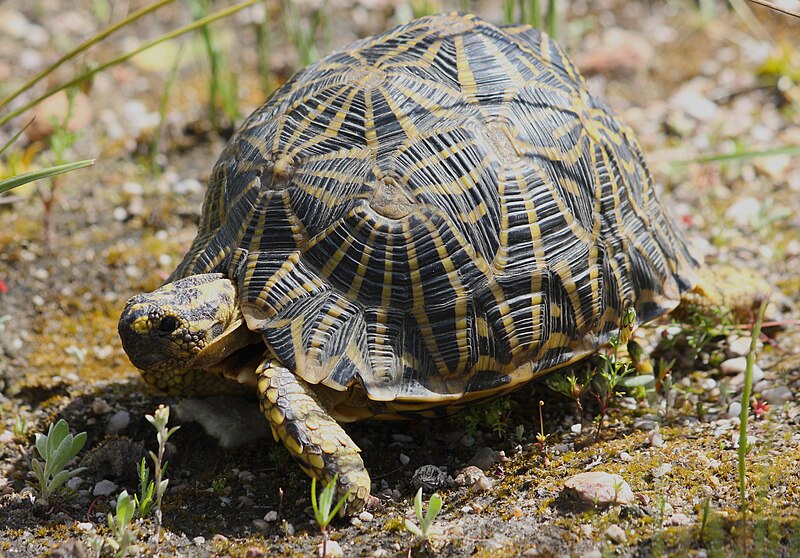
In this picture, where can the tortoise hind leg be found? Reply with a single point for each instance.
(314, 439)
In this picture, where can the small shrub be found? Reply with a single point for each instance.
(57, 448)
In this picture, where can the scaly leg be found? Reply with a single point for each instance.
(314, 439)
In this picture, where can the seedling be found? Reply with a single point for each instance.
(323, 514)
(123, 534)
(146, 489)
(748, 386)
(57, 448)
(159, 421)
(425, 530)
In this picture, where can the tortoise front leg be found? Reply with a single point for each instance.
(314, 439)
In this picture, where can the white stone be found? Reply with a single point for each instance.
(599, 489)
(404, 459)
(331, 548)
(104, 488)
(616, 534)
(734, 409)
(778, 395)
(271, 516)
(118, 422)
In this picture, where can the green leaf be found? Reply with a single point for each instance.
(418, 505)
(636, 381)
(413, 529)
(41, 445)
(25, 178)
(434, 505)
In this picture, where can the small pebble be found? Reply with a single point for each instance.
(734, 409)
(199, 540)
(739, 346)
(486, 457)
(271, 516)
(656, 440)
(678, 520)
(778, 395)
(593, 554)
(404, 459)
(218, 538)
(661, 470)
(576, 428)
(365, 516)
(625, 456)
(246, 476)
(85, 526)
(331, 548)
(600, 489)
(104, 488)
(380, 553)
(118, 422)
(616, 534)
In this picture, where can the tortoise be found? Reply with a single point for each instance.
(422, 220)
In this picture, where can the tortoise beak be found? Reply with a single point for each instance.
(138, 342)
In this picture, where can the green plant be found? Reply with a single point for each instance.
(222, 82)
(303, 34)
(123, 533)
(146, 489)
(159, 420)
(155, 167)
(530, 13)
(57, 448)
(494, 413)
(572, 385)
(748, 386)
(323, 514)
(425, 530)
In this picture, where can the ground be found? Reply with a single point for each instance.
(692, 86)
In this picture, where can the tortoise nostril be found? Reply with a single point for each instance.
(168, 324)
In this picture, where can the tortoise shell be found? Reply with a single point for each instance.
(438, 213)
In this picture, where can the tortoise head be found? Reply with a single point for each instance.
(195, 322)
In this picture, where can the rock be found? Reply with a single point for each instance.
(72, 548)
(468, 476)
(661, 470)
(118, 422)
(598, 489)
(404, 459)
(739, 346)
(742, 212)
(736, 367)
(694, 103)
(232, 421)
(593, 554)
(625, 456)
(618, 51)
(616, 534)
(380, 553)
(271, 516)
(330, 548)
(486, 457)
(104, 488)
(199, 541)
(734, 409)
(778, 395)
(57, 107)
(656, 440)
(430, 478)
(678, 520)
(365, 516)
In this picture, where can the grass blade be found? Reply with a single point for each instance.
(87, 44)
(130, 54)
(21, 179)
(791, 150)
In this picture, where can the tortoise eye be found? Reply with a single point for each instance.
(168, 324)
